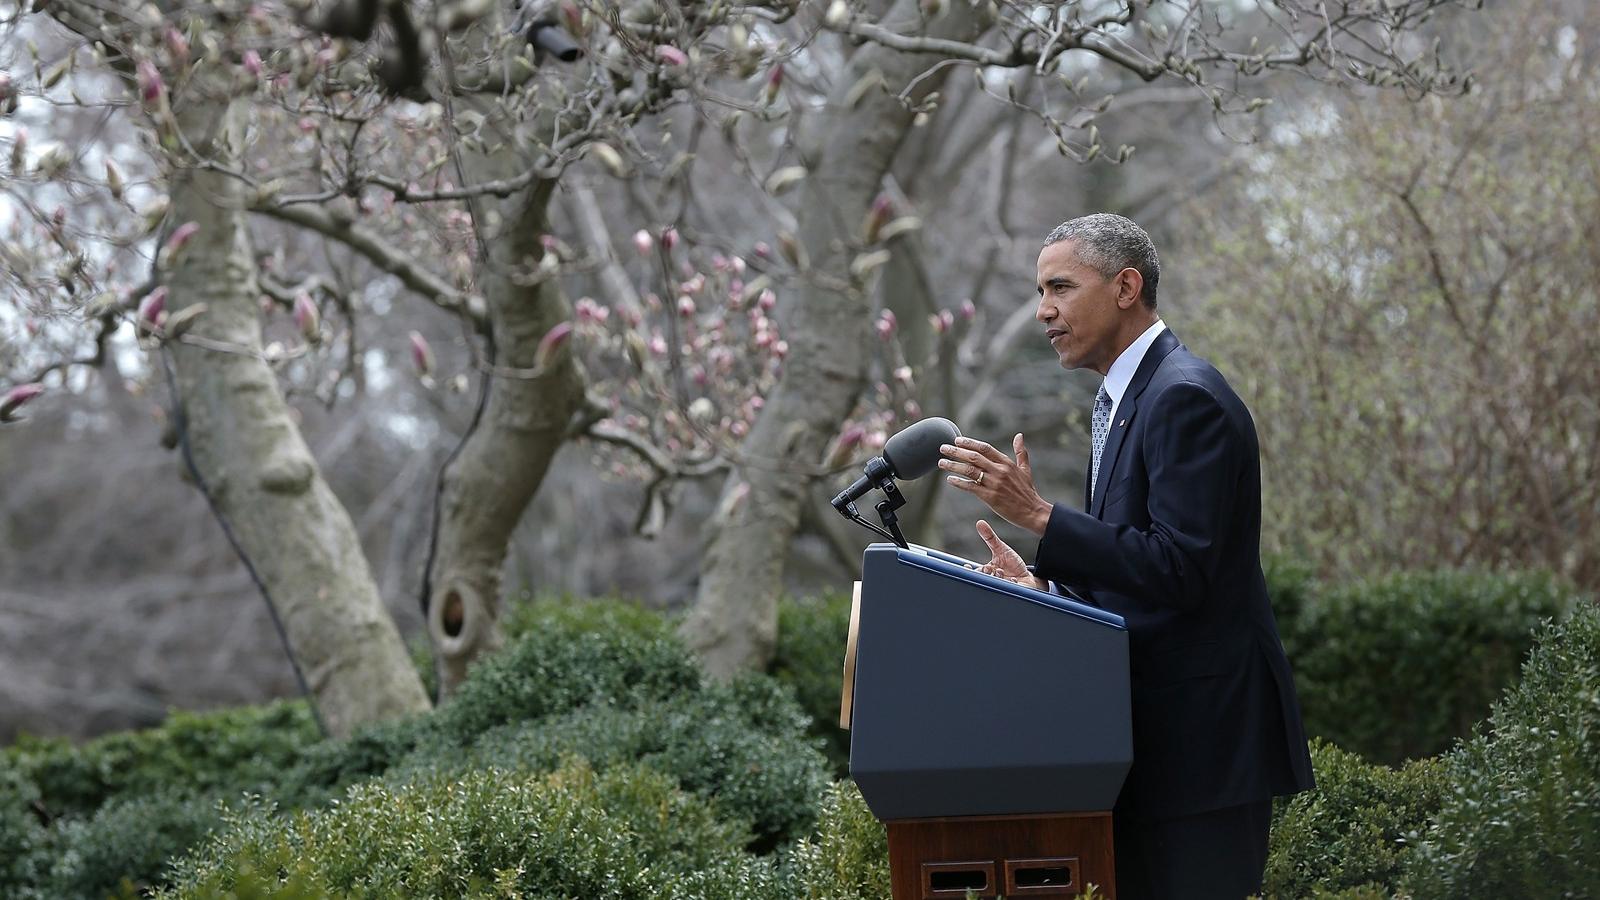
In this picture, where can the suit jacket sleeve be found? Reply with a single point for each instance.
(1193, 457)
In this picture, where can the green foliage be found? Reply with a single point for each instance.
(129, 841)
(234, 750)
(625, 833)
(1354, 830)
(743, 747)
(849, 857)
(567, 657)
(24, 842)
(1522, 817)
(1400, 667)
(810, 658)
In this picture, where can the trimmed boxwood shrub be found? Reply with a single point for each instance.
(848, 859)
(622, 834)
(743, 747)
(244, 748)
(1400, 667)
(810, 658)
(1522, 816)
(128, 843)
(1354, 829)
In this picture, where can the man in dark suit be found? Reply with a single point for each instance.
(1170, 542)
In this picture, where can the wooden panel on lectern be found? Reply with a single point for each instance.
(847, 695)
(1010, 856)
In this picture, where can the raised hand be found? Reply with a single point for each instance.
(1005, 562)
(1005, 485)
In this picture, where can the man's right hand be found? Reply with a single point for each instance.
(1005, 562)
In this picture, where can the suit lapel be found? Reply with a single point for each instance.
(1165, 343)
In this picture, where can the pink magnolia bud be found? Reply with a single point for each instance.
(762, 250)
(252, 63)
(845, 446)
(885, 325)
(694, 285)
(903, 375)
(780, 349)
(698, 375)
(685, 306)
(757, 402)
(178, 46)
(767, 300)
(16, 397)
(550, 343)
(172, 250)
(306, 317)
(153, 308)
(572, 16)
(658, 345)
(671, 55)
(669, 238)
(421, 354)
(643, 242)
(151, 87)
(913, 409)
(875, 439)
(739, 429)
(774, 83)
(969, 311)
(878, 216)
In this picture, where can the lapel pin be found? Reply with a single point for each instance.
(1122, 423)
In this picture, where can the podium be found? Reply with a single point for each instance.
(990, 728)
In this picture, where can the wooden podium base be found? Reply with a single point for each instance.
(1012, 856)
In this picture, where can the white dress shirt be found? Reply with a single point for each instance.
(1121, 372)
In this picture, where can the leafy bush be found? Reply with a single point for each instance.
(567, 657)
(742, 747)
(1400, 667)
(1354, 829)
(1522, 817)
(849, 857)
(24, 841)
(625, 833)
(810, 658)
(129, 840)
(235, 750)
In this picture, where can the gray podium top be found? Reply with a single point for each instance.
(976, 696)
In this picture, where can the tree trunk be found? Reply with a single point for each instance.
(500, 467)
(847, 150)
(256, 467)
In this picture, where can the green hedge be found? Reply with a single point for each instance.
(1522, 816)
(622, 834)
(810, 658)
(1354, 830)
(239, 749)
(848, 859)
(1400, 667)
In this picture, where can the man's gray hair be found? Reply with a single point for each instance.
(1109, 243)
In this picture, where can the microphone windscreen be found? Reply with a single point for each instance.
(914, 452)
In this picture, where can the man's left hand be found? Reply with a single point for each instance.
(1004, 484)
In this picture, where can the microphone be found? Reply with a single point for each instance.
(910, 454)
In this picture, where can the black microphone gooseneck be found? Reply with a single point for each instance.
(912, 453)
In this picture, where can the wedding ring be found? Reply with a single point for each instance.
(980, 476)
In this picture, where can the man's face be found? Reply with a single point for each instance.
(1080, 308)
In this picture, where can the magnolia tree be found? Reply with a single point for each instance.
(489, 159)
(1409, 298)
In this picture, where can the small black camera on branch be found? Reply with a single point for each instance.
(536, 21)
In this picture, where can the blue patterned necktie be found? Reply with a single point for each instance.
(1102, 425)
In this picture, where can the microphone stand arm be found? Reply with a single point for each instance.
(892, 500)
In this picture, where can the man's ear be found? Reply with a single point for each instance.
(1129, 285)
